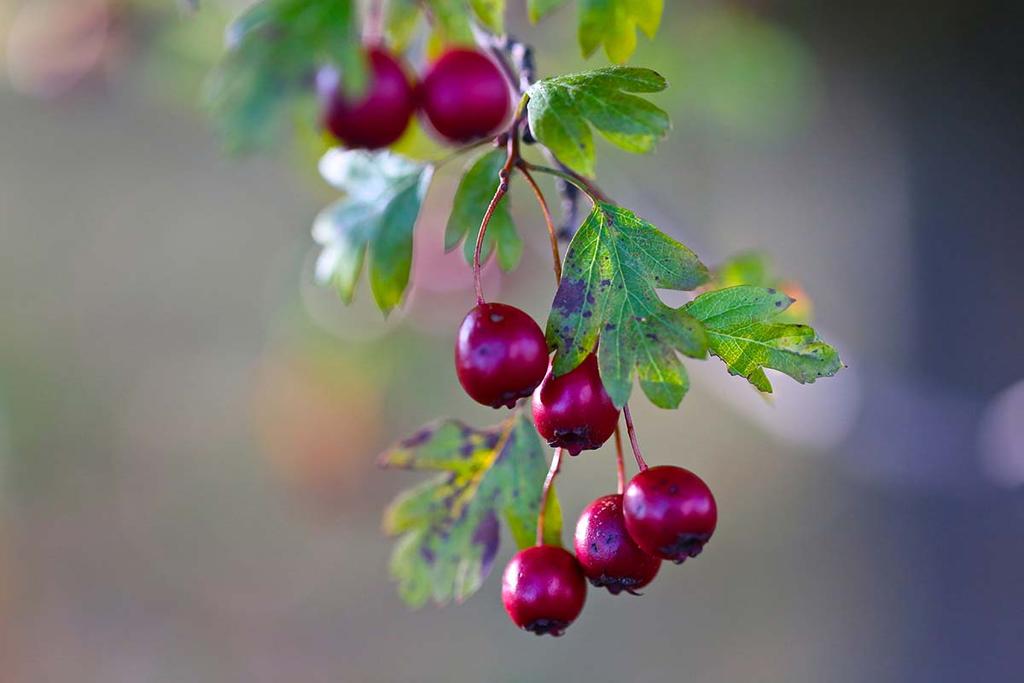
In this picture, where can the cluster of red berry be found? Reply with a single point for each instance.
(463, 95)
(664, 513)
(501, 356)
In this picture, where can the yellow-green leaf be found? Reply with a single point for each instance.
(743, 330)
(614, 23)
(449, 526)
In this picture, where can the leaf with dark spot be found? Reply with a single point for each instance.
(607, 292)
(744, 330)
(448, 526)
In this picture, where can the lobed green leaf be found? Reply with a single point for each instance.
(613, 266)
(562, 109)
(491, 14)
(743, 329)
(449, 525)
(472, 197)
(538, 9)
(384, 193)
(614, 23)
(400, 23)
(755, 268)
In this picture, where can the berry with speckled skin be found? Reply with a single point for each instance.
(669, 512)
(609, 556)
(574, 411)
(543, 589)
(500, 354)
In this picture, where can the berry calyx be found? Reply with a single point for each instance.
(377, 118)
(574, 411)
(464, 95)
(543, 589)
(604, 549)
(500, 354)
(670, 512)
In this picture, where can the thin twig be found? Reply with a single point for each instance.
(620, 464)
(632, 438)
(556, 258)
(585, 184)
(545, 493)
(513, 155)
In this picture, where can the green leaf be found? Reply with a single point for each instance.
(614, 23)
(491, 13)
(451, 22)
(614, 264)
(471, 200)
(403, 16)
(274, 49)
(755, 268)
(743, 330)
(562, 109)
(448, 526)
(538, 9)
(383, 196)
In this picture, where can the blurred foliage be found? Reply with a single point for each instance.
(384, 193)
(614, 24)
(273, 51)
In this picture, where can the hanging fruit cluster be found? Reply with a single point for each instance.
(607, 329)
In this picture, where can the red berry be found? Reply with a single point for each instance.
(464, 95)
(500, 354)
(383, 112)
(574, 411)
(609, 557)
(669, 512)
(543, 589)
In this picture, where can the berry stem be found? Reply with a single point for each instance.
(503, 176)
(586, 185)
(545, 493)
(631, 430)
(374, 26)
(552, 235)
(620, 464)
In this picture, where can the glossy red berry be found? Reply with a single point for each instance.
(574, 411)
(543, 589)
(380, 116)
(609, 557)
(669, 512)
(500, 354)
(465, 96)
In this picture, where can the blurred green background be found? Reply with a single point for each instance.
(188, 425)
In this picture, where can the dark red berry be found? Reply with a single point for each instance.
(609, 557)
(669, 512)
(464, 95)
(574, 411)
(380, 116)
(543, 589)
(500, 354)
